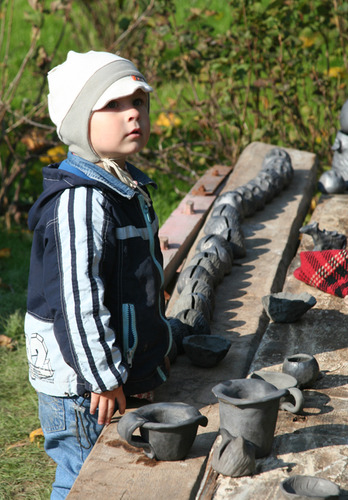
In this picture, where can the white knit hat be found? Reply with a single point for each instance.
(85, 83)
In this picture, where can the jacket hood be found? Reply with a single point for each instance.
(54, 181)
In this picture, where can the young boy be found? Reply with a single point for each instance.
(95, 326)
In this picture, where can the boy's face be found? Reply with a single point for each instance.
(121, 128)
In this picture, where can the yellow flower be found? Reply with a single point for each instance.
(53, 155)
(308, 41)
(336, 71)
(168, 120)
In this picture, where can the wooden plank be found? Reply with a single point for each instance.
(114, 469)
(180, 229)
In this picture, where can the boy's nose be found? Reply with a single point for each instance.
(133, 114)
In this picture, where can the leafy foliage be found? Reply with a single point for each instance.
(225, 75)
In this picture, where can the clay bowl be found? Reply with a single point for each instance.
(206, 350)
(313, 488)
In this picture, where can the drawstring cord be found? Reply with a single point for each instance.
(114, 169)
(79, 409)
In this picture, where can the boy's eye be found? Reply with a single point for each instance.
(111, 105)
(138, 101)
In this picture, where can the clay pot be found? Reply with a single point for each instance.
(248, 202)
(304, 367)
(179, 331)
(201, 259)
(249, 408)
(167, 430)
(228, 211)
(196, 322)
(193, 301)
(233, 456)
(201, 287)
(214, 243)
(231, 198)
(193, 272)
(206, 350)
(215, 271)
(283, 381)
(311, 487)
(285, 307)
(235, 238)
(265, 182)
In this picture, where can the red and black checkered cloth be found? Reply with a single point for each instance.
(326, 270)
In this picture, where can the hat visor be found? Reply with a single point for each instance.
(121, 88)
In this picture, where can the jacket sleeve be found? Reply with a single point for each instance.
(81, 323)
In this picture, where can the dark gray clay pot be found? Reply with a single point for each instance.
(258, 195)
(228, 211)
(265, 182)
(230, 198)
(234, 456)
(206, 350)
(304, 367)
(248, 203)
(215, 270)
(214, 243)
(235, 238)
(167, 430)
(201, 258)
(249, 408)
(179, 331)
(193, 301)
(293, 402)
(309, 487)
(193, 272)
(195, 320)
(285, 307)
(201, 287)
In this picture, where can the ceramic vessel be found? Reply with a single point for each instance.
(206, 350)
(249, 408)
(167, 430)
(311, 487)
(233, 456)
(285, 307)
(304, 367)
(293, 402)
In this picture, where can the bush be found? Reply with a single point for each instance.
(225, 75)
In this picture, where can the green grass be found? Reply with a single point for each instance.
(26, 471)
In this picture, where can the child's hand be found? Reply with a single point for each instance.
(105, 402)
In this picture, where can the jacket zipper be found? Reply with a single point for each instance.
(147, 218)
(130, 337)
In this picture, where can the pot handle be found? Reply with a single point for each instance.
(297, 396)
(127, 425)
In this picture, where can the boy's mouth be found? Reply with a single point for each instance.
(135, 131)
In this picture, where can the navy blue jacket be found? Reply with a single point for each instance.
(95, 312)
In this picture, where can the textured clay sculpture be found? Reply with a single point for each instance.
(194, 272)
(206, 350)
(332, 183)
(285, 307)
(294, 401)
(249, 408)
(311, 487)
(193, 301)
(179, 331)
(202, 288)
(228, 211)
(212, 265)
(167, 430)
(322, 239)
(195, 320)
(216, 244)
(304, 367)
(233, 456)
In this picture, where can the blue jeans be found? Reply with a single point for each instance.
(70, 432)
